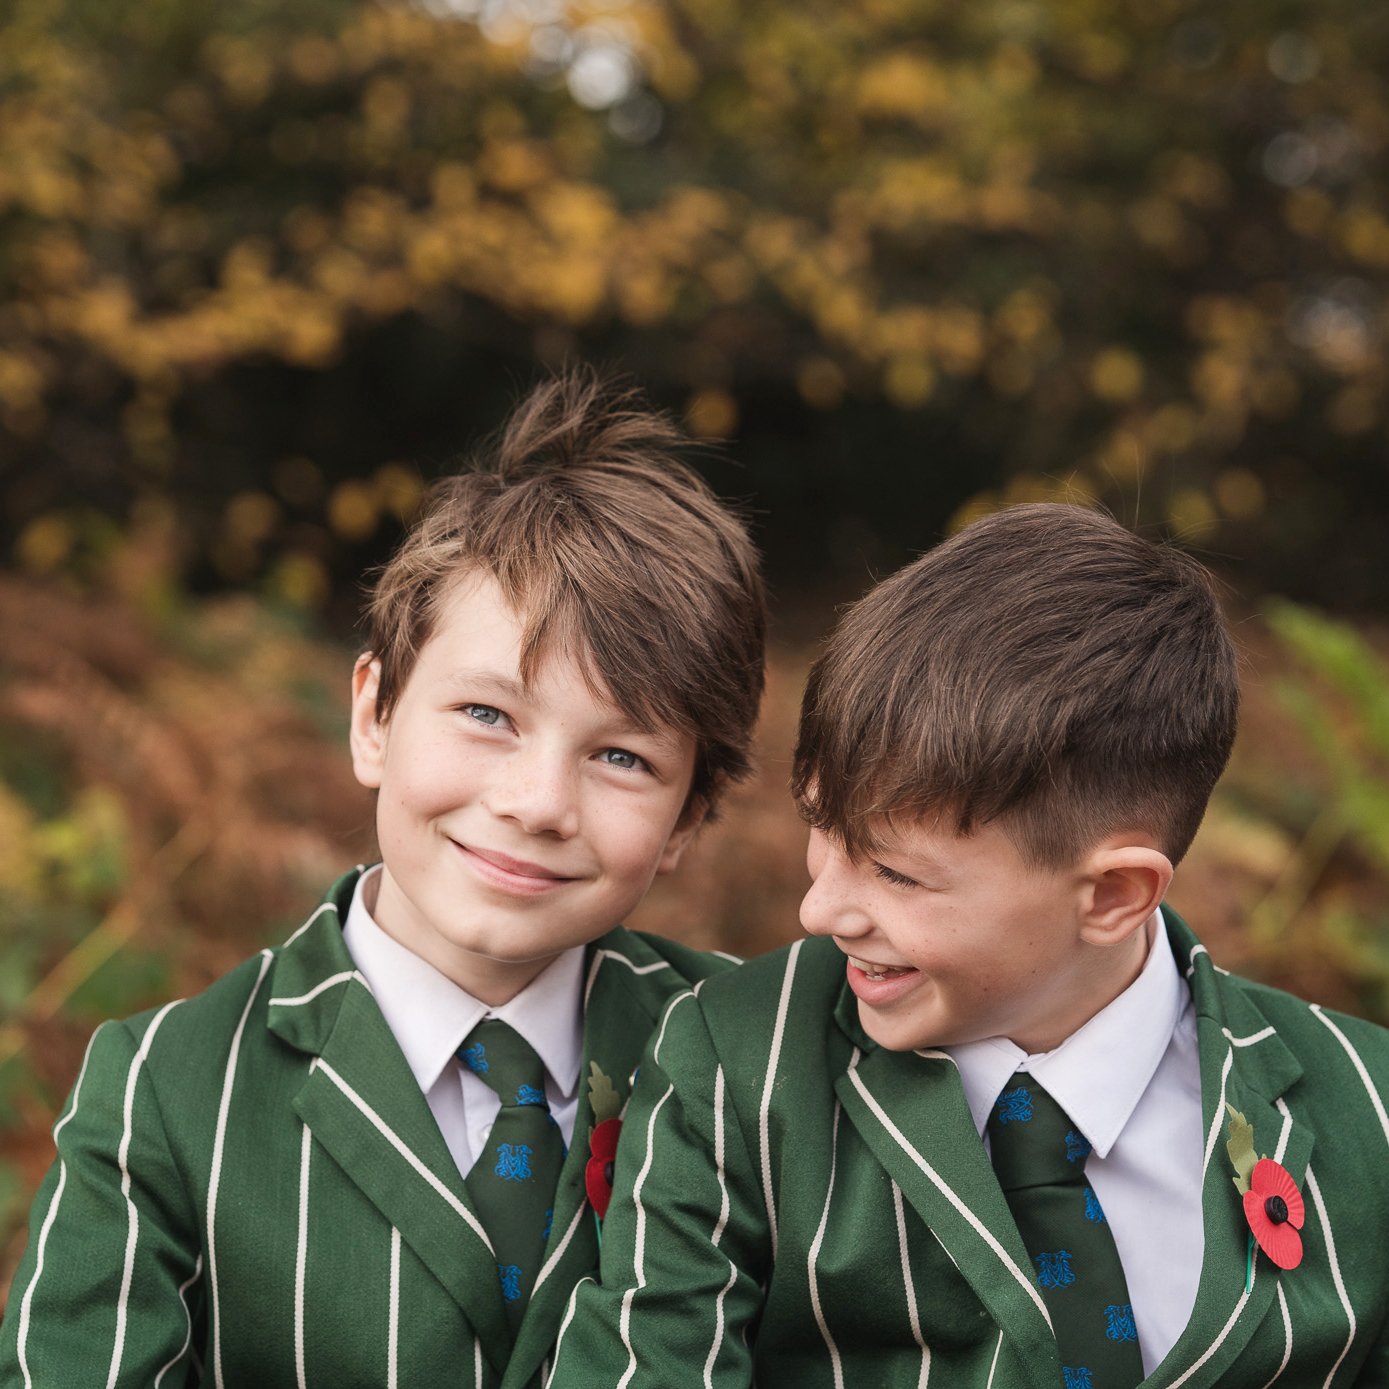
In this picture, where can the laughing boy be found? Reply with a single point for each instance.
(1002, 1123)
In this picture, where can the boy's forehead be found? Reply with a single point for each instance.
(543, 656)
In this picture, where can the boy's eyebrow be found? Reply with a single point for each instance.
(499, 684)
(917, 858)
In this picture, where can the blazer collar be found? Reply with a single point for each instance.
(628, 985)
(364, 1108)
(1245, 1065)
(311, 970)
(910, 1109)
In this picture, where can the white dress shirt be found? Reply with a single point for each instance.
(1129, 1080)
(430, 1017)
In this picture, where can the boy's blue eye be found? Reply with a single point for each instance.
(896, 879)
(620, 757)
(483, 713)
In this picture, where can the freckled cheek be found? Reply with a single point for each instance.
(442, 781)
(625, 849)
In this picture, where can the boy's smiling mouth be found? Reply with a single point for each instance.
(511, 874)
(879, 985)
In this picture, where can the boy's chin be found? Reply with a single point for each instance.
(897, 1031)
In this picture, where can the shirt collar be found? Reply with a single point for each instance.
(430, 1016)
(1099, 1073)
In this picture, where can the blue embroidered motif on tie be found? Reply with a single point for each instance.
(512, 1183)
(1015, 1106)
(514, 1162)
(1119, 1324)
(1054, 1269)
(1041, 1171)
(549, 1222)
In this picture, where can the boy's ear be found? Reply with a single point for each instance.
(367, 737)
(686, 827)
(1124, 885)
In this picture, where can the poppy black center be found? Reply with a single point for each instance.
(1276, 1208)
(608, 1176)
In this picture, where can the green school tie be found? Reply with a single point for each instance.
(513, 1180)
(1039, 1158)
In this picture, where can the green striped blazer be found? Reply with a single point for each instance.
(250, 1190)
(799, 1207)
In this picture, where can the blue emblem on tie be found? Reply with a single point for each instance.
(528, 1094)
(1093, 1210)
(1077, 1146)
(510, 1274)
(1119, 1323)
(1076, 1377)
(1054, 1270)
(475, 1058)
(513, 1162)
(1015, 1106)
(549, 1221)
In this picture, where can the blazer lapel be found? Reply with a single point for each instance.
(364, 1108)
(910, 1109)
(1246, 1066)
(627, 987)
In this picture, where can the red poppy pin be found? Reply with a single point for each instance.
(1273, 1205)
(602, 1140)
(598, 1175)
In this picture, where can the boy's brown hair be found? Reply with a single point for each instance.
(613, 550)
(1046, 669)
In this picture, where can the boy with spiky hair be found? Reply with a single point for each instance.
(1002, 1122)
(360, 1159)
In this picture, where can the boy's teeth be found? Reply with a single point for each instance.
(876, 971)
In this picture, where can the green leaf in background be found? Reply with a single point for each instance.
(35, 767)
(86, 850)
(14, 1194)
(132, 978)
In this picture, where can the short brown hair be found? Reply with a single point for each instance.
(610, 546)
(1046, 669)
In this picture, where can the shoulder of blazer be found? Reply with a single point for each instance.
(777, 1011)
(687, 965)
(638, 974)
(197, 1036)
(800, 979)
(1240, 1003)
(1312, 1025)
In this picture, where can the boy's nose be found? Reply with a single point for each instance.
(830, 907)
(826, 912)
(538, 792)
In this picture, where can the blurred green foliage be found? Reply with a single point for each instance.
(917, 257)
(64, 864)
(61, 874)
(1330, 898)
